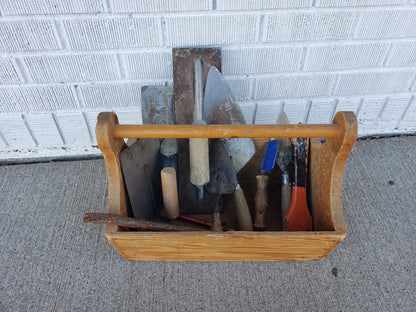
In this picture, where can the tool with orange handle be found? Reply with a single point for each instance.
(298, 218)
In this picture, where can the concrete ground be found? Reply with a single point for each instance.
(51, 261)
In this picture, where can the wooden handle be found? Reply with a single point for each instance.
(216, 222)
(106, 218)
(199, 160)
(170, 193)
(226, 131)
(261, 202)
(242, 211)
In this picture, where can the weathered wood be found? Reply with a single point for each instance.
(224, 246)
(170, 192)
(326, 163)
(227, 131)
(111, 147)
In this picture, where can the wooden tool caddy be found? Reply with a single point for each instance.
(326, 168)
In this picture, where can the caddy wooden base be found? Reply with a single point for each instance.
(326, 168)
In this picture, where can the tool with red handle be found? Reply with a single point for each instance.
(298, 218)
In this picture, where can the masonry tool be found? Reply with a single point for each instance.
(267, 160)
(284, 154)
(184, 108)
(223, 177)
(106, 218)
(140, 164)
(198, 147)
(221, 108)
(298, 217)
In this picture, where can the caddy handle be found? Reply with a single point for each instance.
(226, 131)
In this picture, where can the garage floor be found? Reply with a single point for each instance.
(51, 261)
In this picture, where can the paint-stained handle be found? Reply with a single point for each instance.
(260, 202)
(298, 218)
(286, 194)
(242, 211)
(170, 193)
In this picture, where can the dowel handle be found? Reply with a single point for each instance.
(226, 131)
(170, 193)
(260, 202)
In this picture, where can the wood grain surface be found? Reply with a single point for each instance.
(326, 164)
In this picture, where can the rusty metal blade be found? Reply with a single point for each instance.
(106, 218)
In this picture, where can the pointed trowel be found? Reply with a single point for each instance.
(220, 108)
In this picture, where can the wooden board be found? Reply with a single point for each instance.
(326, 164)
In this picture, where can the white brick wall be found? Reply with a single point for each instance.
(64, 61)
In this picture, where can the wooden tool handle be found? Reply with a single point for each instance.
(261, 202)
(286, 194)
(199, 160)
(106, 218)
(216, 222)
(242, 211)
(170, 193)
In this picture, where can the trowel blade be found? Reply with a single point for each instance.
(220, 108)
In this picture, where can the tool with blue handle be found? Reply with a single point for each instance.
(267, 161)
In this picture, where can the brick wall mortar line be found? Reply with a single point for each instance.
(29, 129)
(360, 105)
(307, 111)
(260, 29)
(163, 33)
(232, 77)
(334, 109)
(4, 140)
(285, 44)
(60, 35)
(382, 108)
(412, 83)
(252, 85)
(121, 71)
(355, 25)
(334, 85)
(21, 70)
(78, 96)
(90, 132)
(108, 5)
(302, 59)
(405, 111)
(276, 11)
(388, 55)
(58, 127)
